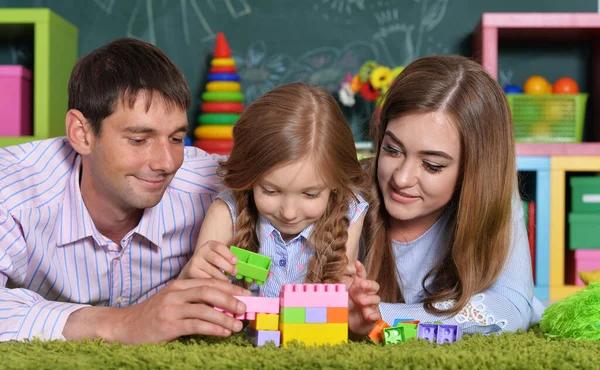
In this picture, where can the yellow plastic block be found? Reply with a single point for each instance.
(265, 322)
(314, 334)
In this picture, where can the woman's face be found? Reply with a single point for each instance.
(418, 168)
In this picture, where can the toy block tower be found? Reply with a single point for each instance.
(314, 314)
(222, 102)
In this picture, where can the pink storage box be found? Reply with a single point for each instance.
(582, 260)
(15, 101)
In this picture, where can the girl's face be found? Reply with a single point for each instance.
(292, 196)
(418, 169)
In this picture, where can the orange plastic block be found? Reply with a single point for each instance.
(337, 315)
(377, 333)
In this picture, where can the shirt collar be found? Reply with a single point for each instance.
(76, 223)
(266, 229)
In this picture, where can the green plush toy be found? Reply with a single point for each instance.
(577, 316)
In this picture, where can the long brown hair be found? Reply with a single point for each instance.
(480, 221)
(289, 123)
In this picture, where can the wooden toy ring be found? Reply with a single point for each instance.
(223, 86)
(222, 77)
(222, 107)
(222, 62)
(214, 132)
(224, 96)
(223, 69)
(218, 119)
(215, 146)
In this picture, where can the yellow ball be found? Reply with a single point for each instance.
(553, 112)
(537, 85)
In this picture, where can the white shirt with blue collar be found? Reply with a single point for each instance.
(289, 260)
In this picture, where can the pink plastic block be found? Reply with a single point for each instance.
(256, 305)
(239, 317)
(250, 315)
(15, 101)
(585, 260)
(313, 295)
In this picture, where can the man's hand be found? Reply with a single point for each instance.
(183, 307)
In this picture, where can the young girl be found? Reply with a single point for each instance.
(295, 193)
(445, 247)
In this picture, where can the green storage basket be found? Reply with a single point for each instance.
(584, 231)
(548, 118)
(585, 194)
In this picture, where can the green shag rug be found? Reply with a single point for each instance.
(523, 350)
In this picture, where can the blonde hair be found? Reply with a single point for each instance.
(290, 123)
(480, 220)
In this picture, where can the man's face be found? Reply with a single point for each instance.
(136, 155)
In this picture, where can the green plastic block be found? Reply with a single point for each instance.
(251, 266)
(408, 330)
(291, 315)
(393, 335)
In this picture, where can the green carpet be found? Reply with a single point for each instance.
(528, 350)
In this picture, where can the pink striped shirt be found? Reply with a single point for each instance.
(54, 261)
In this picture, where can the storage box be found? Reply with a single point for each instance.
(584, 231)
(581, 260)
(585, 194)
(552, 118)
(15, 101)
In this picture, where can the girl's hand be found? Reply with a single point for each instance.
(208, 261)
(349, 275)
(363, 302)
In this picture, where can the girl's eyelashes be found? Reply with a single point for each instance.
(433, 168)
(267, 191)
(312, 195)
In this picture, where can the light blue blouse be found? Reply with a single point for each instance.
(289, 260)
(506, 306)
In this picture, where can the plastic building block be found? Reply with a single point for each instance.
(376, 333)
(260, 304)
(295, 315)
(449, 333)
(255, 305)
(265, 321)
(428, 331)
(392, 335)
(314, 334)
(316, 315)
(251, 266)
(405, 321)
(408, 331)
(262, 337)
(313, 295)
(337, 315)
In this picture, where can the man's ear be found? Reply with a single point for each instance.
(79, 132)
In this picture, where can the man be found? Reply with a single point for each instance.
(95, 226)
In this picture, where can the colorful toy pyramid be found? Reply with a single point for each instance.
(222, 104)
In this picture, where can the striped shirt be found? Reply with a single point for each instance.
(54, 261)
(289, 260)
(506, 306)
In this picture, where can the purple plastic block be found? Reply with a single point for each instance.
(261, 337)
(427, 331)
(316, 315)
(449, 333)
